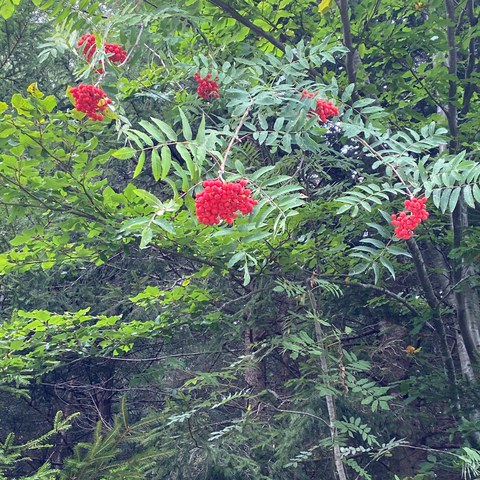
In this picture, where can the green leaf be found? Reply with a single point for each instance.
(3, 107)
(235, 259)
(166, 155)
(374, 242)
(186, 129)
(359, 268)
(444, 199)
(476, 193)
(246, 274)
(166, 129)
(153, 131)
(200, 138)
(185, 154)
(394, 250)
(139, 167)
(6, 9)
(347, 94)
(124, 153)
(261, 171)
(135, 223)
(149, 198)
(156, 165)
(48, 103)
(167, 226)
(239, 166)
(147, 235)
(22, 105)
(363, 102)
(454, 198)
(388, 265)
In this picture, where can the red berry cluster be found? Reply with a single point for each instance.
(405, 223)
(116, 53)
(207, 88)
(324, 109)
(221, 200)
(91, 100)
(90, 45)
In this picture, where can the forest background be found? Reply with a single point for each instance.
(304, 340)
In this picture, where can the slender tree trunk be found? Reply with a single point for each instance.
(332, 414)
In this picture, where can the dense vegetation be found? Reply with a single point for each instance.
(144, 337)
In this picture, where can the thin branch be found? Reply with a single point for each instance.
(232, 142)
(383, 290)
(165, 357)
(296, 412)
(347, 41)
(244, 21)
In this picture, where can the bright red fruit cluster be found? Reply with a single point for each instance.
(221, 200)
(207, 88)
(90, 45)
(115, 52)
(324, 109)
(405, 223)
(91, 100)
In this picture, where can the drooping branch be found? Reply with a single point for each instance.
(244, 21)
(382, 290)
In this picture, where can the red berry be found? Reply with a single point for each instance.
(324, 109)
(90, 45)
(91, 100)
(115, 52)
(207, 88)
(221, 201)
(405, 223)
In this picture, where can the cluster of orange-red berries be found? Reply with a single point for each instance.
(323, 109)
(207, 88)
(406, 222)
(221, 200)
(115, 52)
(89, 99)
